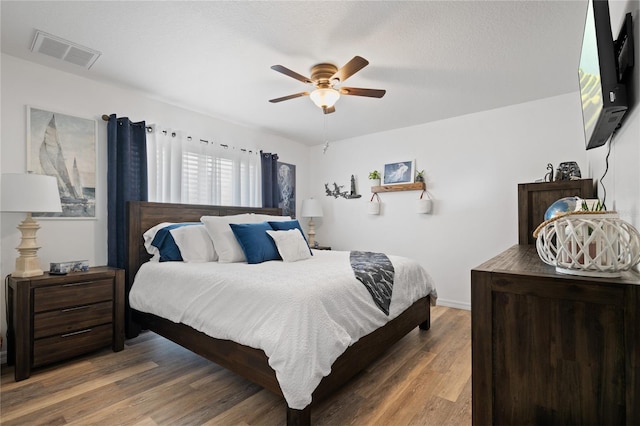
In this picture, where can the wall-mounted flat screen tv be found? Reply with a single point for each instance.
(604, 99)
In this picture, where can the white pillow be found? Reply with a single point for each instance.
(291, 245)
(194, 243)
(270, 218)
(224, 241)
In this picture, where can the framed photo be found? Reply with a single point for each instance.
(64, 146)
(287, 188)
(400, 172)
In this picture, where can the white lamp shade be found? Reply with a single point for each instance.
(29, 193)
(325, 97)
(311, 208)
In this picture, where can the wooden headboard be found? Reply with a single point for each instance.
(142, 215)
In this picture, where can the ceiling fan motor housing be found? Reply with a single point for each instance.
(321, 74)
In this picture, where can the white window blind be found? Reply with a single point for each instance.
(190, 171)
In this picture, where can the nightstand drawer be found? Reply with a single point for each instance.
(71, 319)
(72, 294)
(67, 345)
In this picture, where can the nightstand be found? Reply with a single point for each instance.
(322, 248)
(52, 318)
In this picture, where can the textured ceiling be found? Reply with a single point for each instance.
(436, 59)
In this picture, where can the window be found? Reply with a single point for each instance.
(195, 172)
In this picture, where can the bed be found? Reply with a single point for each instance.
(251, 363)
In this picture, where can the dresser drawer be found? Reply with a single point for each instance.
(66, 320)
(56, 348)
(72, 294)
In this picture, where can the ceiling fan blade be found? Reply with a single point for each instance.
(356, 91)
(293, 74)
(350, 68)
(328, 110)
(286, 98)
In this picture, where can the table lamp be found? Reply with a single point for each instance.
(28, 193)
(311, 208)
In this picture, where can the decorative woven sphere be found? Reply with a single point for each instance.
(563, 205)
(588, 243)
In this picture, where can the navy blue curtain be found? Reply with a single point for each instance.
(269, 167)
(126, 181)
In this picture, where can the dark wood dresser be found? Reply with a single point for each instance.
(55, 317)
(550, 348)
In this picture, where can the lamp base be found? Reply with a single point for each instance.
(27, 267)
(28, 263)
(312, 233)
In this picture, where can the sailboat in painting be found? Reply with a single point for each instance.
(53, 164)
(77, 181)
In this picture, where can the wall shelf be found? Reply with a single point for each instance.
(416, 186)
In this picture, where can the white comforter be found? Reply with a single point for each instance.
(303, 315)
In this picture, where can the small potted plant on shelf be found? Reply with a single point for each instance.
(374, 178)
(420, 176)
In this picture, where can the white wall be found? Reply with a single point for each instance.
(25, 83)
(473, 164)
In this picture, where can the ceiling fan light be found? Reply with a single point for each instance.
(325, 97)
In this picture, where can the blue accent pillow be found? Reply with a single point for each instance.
(256, 244)
(289, 224)
(166, 245)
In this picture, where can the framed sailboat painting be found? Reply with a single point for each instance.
(64, 146)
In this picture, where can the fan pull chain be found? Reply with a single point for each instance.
(326, 136)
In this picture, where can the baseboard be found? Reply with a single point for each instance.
(454, 304)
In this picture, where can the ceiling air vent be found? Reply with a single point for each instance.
(64, 49)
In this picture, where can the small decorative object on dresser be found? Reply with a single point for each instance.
(568, 171)
(61, 268)
(591, 243)
(53, 318)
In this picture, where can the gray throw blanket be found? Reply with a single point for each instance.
(376, 272)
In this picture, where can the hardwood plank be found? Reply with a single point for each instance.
(93, 385)
(424, 379)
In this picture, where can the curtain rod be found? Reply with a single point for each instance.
(105, 117)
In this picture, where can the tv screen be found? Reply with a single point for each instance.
(604, 100)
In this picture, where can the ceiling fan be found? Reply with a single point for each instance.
(326, 78)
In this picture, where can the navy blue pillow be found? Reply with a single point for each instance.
(256, 244)
(166, 245)
(289, 224)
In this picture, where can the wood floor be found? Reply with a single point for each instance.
(425, 379)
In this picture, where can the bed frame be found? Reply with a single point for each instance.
(248, 362)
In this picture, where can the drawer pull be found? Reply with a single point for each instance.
(77, 308)
(76, 284)
(88, 330)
